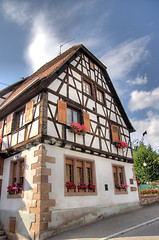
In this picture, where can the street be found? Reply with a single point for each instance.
(150, 231)
(106, 228)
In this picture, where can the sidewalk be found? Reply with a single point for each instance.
(111, 225)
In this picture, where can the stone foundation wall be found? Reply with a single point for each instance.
(146, 199)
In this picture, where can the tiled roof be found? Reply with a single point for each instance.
(45, 70)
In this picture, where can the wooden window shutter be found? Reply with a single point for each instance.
(86, 120)
(1, 127)
(91, 65)
(115, 133)
(1, 165)
(29, 111)
(9, 123)
(62, 112)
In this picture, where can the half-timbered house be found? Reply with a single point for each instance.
(64, 124)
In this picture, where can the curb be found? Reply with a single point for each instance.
(130, 229)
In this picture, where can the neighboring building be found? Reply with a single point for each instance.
(42, 152)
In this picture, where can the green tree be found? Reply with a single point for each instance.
(142, 154)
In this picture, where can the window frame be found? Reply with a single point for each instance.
(85, 88)
(84, 161)
(118, 178)
(78, 115)
(18, 175)
(16, 119)
(98, 95)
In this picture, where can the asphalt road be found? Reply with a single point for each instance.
(105, 229)
(148, 231)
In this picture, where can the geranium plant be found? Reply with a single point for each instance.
(92, 187)
(121, 144)
(70, 185)
(123, 186)
(149, 191)
(78, 128)
(82, 186)
(16, 188)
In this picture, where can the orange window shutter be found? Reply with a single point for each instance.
(91, 65)
(115, 133)
(62, 112)
(1, 127)
(29, 111)
(9, 123)
(86, 120)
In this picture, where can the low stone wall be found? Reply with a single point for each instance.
(146, 199)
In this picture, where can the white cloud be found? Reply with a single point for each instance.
(44, 44)
(151, 125)
(142, 99)
(124, 57)
(138, 81)
(17, 11)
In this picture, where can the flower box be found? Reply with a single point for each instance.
(70, 186)
(15, 189)
(121, 144)
(81, 190)
(78, 128)
(91, 188)
(70, 190)
(82, 187)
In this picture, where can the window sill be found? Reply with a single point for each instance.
(87, 193)
(88, 95)
(102, 103)
(15, 195)
(120, 192)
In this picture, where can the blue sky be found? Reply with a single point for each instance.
(123, 34)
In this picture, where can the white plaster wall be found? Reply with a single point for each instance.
(104, 175)
(19, 203)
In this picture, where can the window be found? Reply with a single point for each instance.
(72, 116)
(115, 133)
(5, 126)
(119, 178)
(86, 88)
(69, 170)
(66, 115)
(100, 96)
(17, 175)
(19, 119)
(79, 171)
(79, 168)
(88, 173)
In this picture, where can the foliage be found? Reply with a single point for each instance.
(82, 186)
(121, 186)
(149, 191)
(121, 144)
(76, 127)
(70, 185)
(142, 154)
(92, 187)
(16, 188)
